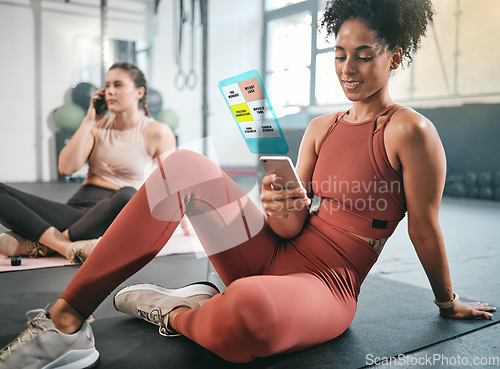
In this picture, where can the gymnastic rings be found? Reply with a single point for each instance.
(188, 80)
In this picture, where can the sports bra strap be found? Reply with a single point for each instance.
(330, 129)
(384, 111)
(388, 109)
(393, 111)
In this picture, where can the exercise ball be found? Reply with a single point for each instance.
(168, 117)
(155, 101)
(69, 117)
(82, 93)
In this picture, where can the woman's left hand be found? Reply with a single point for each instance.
(469, 310)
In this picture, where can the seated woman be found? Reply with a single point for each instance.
(293, 277)
(118, 148)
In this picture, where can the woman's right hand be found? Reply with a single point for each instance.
(279, 203)
(91, 116)
(76, 152)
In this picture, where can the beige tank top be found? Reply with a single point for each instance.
(120, 157)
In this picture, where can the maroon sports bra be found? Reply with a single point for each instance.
(360, 191)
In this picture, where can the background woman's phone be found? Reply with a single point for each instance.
(100, 105)
(283, 167)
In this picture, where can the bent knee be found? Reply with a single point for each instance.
(122, 196)
(256, 317)
(184, 157)
(186, 167)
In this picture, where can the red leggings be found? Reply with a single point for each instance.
(281, 295)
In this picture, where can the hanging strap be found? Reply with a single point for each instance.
(178, 31)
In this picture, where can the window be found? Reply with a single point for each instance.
(289, 59)
(276, 4)
(298, 62)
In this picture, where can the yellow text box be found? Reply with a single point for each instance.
(242, 112)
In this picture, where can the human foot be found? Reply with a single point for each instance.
(44, 346)
(154, 303)
(12, 244)
(79, 251)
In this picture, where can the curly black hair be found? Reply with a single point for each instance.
(397, 23)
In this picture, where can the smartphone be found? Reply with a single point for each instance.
(283, 167)
(100, 105)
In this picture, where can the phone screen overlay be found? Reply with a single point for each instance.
(251, 108)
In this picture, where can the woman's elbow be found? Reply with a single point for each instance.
(288, 232)
(65, 169)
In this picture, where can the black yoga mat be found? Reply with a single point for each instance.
(393, 318)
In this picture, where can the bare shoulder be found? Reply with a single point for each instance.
(159, 130)
(408, 125)
(318, 128)
(311, 142)
(322, 122)
(160, 138)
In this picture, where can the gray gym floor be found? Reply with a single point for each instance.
(470, 228)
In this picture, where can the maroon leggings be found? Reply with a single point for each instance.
(281, 295)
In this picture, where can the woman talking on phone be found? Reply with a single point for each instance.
(117, 147)
(292, 276)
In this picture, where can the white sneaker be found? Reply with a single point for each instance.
(44, 346)
(154, 303)
(12, 244)
(79, 251)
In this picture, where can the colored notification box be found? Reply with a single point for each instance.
(251, 89)
(242, 113)
(253, 112)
